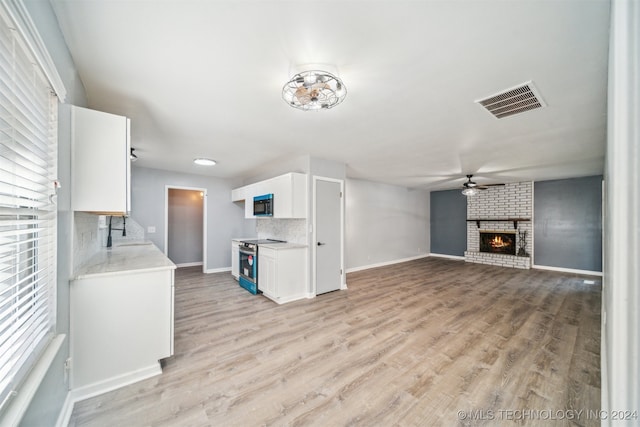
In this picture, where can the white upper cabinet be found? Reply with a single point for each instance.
(100, 164)
(289, 195)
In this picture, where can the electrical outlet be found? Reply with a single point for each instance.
(151, 229)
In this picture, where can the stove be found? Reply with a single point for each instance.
(256, 242)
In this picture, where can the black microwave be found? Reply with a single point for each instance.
(263, 205)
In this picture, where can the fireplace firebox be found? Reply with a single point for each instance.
(498, 242)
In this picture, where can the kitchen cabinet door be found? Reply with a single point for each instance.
(121, 326)
(235, 259)
(282, 273)
(100, 164)
(289, 195)
(267, 278)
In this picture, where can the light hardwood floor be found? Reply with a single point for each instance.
(423, 343)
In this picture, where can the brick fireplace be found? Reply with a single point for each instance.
(499, 226)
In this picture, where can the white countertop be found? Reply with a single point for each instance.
(283, 245)
(125, 257)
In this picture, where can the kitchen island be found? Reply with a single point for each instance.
(121, 320)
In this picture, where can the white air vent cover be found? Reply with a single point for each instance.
(515, 100)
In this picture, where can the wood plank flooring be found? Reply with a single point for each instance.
(431, 342)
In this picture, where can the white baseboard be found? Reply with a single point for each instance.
(457, 258)
(188, 264)
(65, 413)
(110, 384)
(287, 299)
(568, 270)
(382, 264)
(218, 270)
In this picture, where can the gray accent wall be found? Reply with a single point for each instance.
(49, 399)
(384, 223)
(225, 219)
(448, 223)
(568, 223)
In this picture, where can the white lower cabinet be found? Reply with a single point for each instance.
(121, 326)
(282, 272)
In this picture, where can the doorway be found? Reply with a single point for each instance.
(328, 234)
(185, 226)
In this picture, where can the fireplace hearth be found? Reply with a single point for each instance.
(498, 242)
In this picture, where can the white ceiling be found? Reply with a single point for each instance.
(204, 79)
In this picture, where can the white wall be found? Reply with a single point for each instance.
(384, 223)
(621, 275)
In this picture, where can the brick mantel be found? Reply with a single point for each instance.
(504, 208)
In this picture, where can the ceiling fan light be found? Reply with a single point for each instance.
(310, 79)
(470, 192)
(314, 90)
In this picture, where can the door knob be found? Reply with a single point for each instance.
(321, 244)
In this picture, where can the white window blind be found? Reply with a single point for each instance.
(28, 170)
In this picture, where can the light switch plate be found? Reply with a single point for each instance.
(151, 229)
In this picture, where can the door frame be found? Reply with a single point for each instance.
(314, 245)
(204, 220)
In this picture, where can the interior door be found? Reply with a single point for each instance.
(328, 212)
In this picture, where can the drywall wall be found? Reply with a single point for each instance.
(568, 223)
(384, 223)
(49, 399)
(448, 223)
(225, 219)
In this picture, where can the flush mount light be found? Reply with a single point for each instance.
(204, 162)
(314, 90)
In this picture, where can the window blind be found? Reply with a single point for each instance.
(28, 170)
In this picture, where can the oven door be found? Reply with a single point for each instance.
(248, 269)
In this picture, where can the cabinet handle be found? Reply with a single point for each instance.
(321, 244)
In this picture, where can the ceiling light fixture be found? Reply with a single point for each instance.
(204, 162)
(132, 155)
(314, 90)
(470, 191)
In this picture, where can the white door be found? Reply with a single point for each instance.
(328, 218)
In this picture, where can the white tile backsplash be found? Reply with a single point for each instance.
(89, 238)
(85, 237)
(290, 230)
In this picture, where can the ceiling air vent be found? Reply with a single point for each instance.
(512, 101)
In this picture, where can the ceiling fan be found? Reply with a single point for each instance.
(471, 188)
